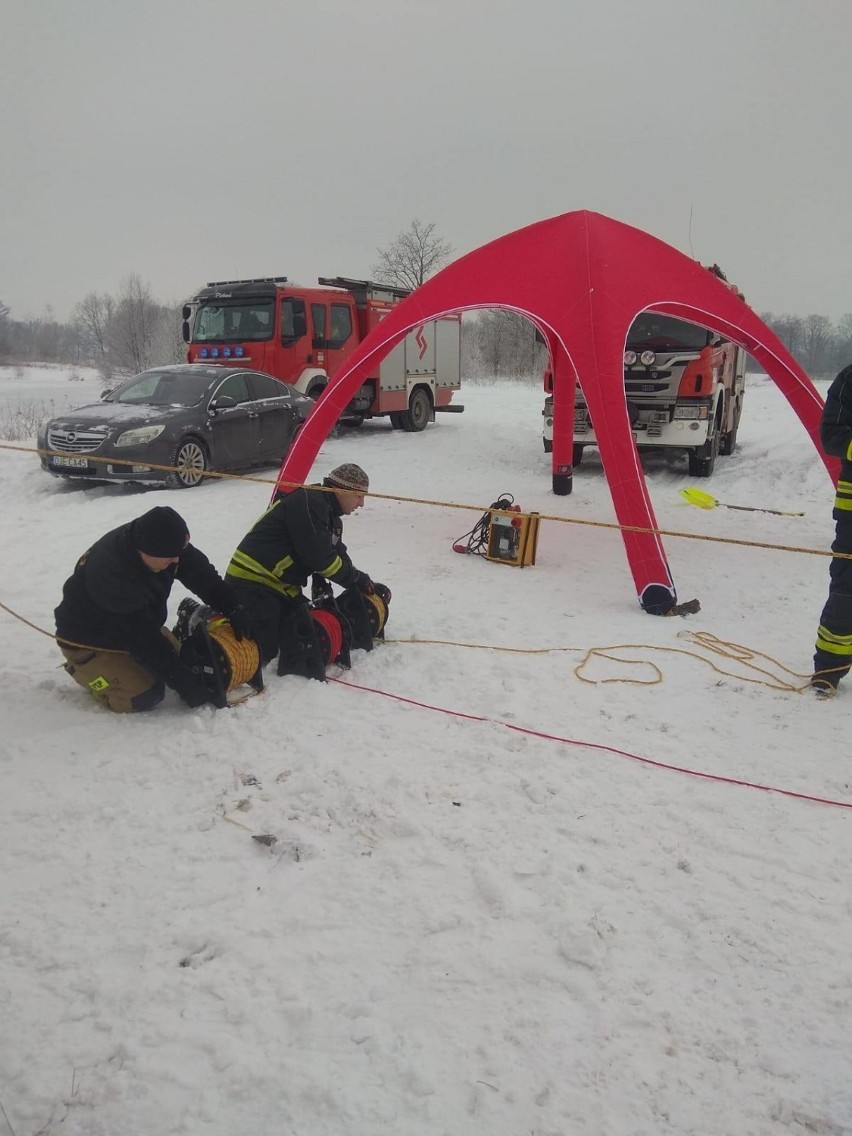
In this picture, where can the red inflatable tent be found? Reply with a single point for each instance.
(582, 279)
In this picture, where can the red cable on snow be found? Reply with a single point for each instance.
(598, 745)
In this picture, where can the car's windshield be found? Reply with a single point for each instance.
(163, 388)
(652, 330)
(233, 322)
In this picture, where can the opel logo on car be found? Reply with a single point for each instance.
(71, 436)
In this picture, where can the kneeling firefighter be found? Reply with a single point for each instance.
(298, 536)
(110, 623)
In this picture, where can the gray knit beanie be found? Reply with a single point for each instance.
(348, 476)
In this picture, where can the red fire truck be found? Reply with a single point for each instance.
(685, 388)
(303, 335)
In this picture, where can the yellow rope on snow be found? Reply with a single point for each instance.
(705, 639)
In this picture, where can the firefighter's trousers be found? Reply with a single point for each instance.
(834, 637)
(270, 613)
(114, 679)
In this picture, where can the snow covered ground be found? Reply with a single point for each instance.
(462, 928)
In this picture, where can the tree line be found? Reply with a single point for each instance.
(128, 331)
(120, 333)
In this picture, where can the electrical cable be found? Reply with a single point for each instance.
(476, 541)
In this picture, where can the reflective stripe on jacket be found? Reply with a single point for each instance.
(297, 536)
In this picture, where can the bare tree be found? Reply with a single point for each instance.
(168, 345)
(92, 317)
(789, 329)
(504, 344)
(416, 254)
(5, 327)
(843, 343)
(816, 353)
(133, 328)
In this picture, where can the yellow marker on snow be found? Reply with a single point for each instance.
(705, 501)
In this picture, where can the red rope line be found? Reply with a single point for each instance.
(604, 748)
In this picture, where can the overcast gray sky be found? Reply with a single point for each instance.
(194, 140)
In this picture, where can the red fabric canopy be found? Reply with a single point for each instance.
(582, 278)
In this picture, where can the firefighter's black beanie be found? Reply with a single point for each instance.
(161, 532)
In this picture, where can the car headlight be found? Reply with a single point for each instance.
(647, 358)
(629, 358)
(139, 437)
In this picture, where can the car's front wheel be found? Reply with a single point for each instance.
(191, 461)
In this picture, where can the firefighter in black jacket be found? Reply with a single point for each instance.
(833, 657)
(300, 534)
(109, 625)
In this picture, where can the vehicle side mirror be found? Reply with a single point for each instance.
(106, 393)
(223, 402)
(184, 330)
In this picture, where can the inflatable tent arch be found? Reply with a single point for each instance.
(582, 279)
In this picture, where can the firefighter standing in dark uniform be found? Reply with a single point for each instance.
(300, 534)
(833, 657)
(109, 625)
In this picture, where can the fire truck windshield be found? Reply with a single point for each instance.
(652, 330)
(225, 323)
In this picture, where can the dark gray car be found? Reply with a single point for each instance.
(192, 415)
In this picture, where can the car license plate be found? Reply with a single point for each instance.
(69, 463)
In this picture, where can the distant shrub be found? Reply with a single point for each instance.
(21, 420)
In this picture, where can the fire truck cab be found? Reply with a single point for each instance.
(302, 336)
(684, 385)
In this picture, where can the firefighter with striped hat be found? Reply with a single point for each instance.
(299, 535)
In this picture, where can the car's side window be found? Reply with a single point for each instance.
(235, 387)
(264, 386)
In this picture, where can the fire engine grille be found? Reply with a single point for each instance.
(73, 441)
(645, 387)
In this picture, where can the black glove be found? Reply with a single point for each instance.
(383, 591)
(363, 583)
(320, 588)
(242, 623)
(189, 686)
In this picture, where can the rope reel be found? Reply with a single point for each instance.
(211, 649)
(329, 631)
(378, 612)
(324, 632)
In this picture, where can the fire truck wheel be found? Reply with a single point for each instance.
(702, 461)
(577, 454)
(396, 421)
(416, 418)
(728, 442)
(191, 456)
